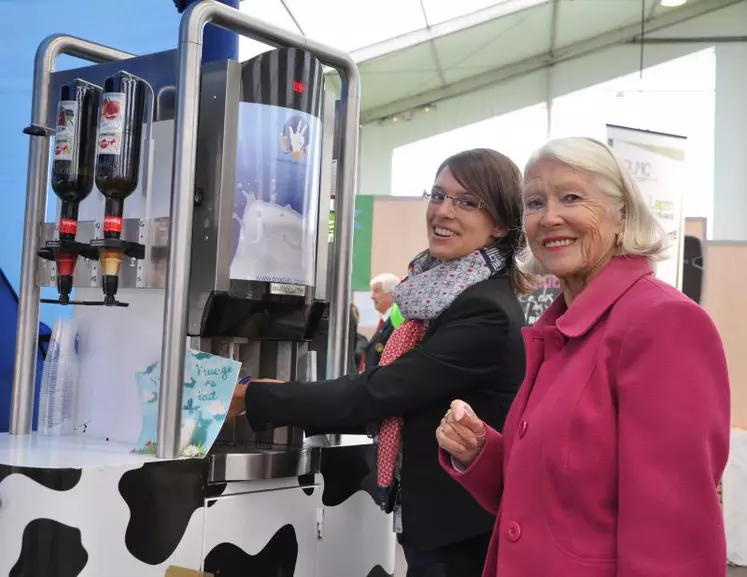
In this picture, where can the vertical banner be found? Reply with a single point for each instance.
(362, 234)
(657, 162)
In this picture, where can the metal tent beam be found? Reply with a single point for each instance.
(535, 63)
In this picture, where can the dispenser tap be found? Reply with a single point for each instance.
(117, 170)
(72, 174)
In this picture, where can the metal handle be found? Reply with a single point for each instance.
(24, 368)
(185, 150)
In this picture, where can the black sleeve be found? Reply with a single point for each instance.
(352, 367)
(463, 352)
(361, 343)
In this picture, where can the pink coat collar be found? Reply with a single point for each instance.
(596, 299)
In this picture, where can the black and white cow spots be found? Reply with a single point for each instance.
(139, 518)
(378, 571)
(50, 549)
(277, 559)
(162, 498)
(53, 479)
(347, 470)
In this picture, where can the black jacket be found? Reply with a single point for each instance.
(376, 345)
(361, 344)
(474, 351)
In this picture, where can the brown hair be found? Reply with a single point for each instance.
(495, 179)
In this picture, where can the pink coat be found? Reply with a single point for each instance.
(616, 442)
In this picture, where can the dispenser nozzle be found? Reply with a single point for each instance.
(64, 288)
(111, 260)
(110, 284)
(66, 262)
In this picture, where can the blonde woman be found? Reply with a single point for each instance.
(612, 451)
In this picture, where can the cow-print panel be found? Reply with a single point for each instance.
(162, 496)
(50, 549)
(378, 571)
(347, 470)
(277, 559)
(213, 491)
(307, 479)
(52, 479)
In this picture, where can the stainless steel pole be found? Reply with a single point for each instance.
(180, 243)
(24, 368)
(191, 30)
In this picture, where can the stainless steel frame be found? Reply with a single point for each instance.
(24, 369)
(180, 235)
(185, 150)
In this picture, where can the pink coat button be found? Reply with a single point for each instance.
(513, 531)
(523, 426)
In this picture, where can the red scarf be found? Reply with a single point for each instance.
(405, 338)
(429, 289)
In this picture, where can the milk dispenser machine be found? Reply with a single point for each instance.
(192, 222)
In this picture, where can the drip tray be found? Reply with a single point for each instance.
(236, 462)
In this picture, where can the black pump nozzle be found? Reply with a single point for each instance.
(110, 285)
(64, 287)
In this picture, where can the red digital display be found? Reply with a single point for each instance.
(299, 86)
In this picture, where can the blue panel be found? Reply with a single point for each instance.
(218, 43)
(138, 26)
(8, 320)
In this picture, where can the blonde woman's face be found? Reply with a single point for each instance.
(570, 223)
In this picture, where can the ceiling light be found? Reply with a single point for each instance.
(672, 3)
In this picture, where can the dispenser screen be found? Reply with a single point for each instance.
(277, 195)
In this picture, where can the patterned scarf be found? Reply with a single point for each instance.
(429, 289)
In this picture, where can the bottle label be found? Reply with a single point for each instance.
(112, 224)
(68, 226)
(112, 123)
(64, 139)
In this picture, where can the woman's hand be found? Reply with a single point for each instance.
(238, 401)
(461, 433)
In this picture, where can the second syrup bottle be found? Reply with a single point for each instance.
(118, 166)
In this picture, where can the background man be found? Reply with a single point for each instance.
(381, 294)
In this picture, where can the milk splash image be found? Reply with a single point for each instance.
(271, 240)
(276, 195)
(209, 382)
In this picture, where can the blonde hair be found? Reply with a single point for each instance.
(641, 235)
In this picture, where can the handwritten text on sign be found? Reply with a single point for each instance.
(536, 302)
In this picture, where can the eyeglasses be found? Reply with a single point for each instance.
(466, 203)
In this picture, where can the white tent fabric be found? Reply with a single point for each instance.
(412, 53)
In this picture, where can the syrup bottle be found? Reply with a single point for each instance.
(118, 168)
(73, 170)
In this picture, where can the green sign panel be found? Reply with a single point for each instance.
(362, 243)
(362, 233)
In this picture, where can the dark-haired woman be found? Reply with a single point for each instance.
(461, 338)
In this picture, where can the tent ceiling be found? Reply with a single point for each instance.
(415, 52)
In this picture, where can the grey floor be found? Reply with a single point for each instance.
(400, 567)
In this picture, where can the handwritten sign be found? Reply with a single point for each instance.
(209, 382)
(537, 302)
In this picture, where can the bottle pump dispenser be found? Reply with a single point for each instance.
(117, 171)
(72, 176)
